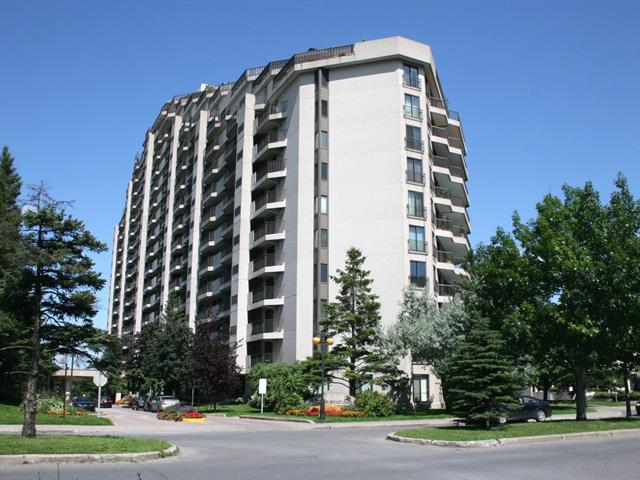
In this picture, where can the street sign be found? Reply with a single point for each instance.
(99, 380)
(262, 391)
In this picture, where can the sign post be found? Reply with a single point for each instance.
(262, 390)
(99, 381)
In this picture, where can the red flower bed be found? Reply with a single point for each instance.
(329, 410)
(193, 415)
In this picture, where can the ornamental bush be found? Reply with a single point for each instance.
(47, 403)
(375, 404)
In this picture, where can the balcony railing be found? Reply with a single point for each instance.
(268, 197)
(276, 165)
(414, 144)
(444, 224)
(443, 133)
(456, 200)
(412, 112)
(271, 137)
(418, 280)
(266, 228)
(279, 107)
(417, 245)
(257, 358)
(412, 81)
(264, 293)
(414, 176)
(268, 260)
(447, 290)
(445, 257)
(437, 103)
(446, 163)
(262, 326)
(417, 211)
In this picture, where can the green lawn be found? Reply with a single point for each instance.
(237, 410)
(518, 430)
(16, 445)
(12, 415)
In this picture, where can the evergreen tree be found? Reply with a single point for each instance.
(60, 284)
(166, 362)
(214, 369)
(481, 379)
(354, 320)
(13, 339)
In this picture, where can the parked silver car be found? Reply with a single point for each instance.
(160, 402)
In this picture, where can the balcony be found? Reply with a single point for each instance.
(417, 245)
(418, 281)
(265, 230)
(446, 290)
(456, 171)
(273, 169)
(444, 224)
(267, 201)
(441, 104)
(416, 211)
(270, 144)
(415, 144)
(264, 294)
(411, 81)
(257, 358)
(412, 113)
(270, 117)
(416, 177)
(456, 200)
(443, 133)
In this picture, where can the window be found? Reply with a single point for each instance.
(324, 108)
(324, 273)
(420, 388)
(418, 276)
(324, 238)
(324, 204)
(324, 171)
(412, 106)
(416, 239)
(414, 137)
(414, 170)
(324, 139)
(410, 77)
(416, 204)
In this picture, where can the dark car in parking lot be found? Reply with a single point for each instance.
(530, 408)
(106, 402)
(638, 408)
(85, 403)
(139, 402)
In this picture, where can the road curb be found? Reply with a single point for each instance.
(632, 432)
(87, 457)
(276, 419)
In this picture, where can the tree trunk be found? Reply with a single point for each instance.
(29, 422)
(581, 397)
(545, 393)
(627, 400)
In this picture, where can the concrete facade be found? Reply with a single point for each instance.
(248, 194)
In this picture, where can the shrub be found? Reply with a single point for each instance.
(287, 386)
(289, 401)
(46, 403)
(375, 404)
(330, 411)
(126, 400)
(175, 413)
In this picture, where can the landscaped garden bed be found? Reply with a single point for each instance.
(182, 413)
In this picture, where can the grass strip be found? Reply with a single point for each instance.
(13, 415)
(53, 444)
(518, 430)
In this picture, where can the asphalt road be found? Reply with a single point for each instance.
(255, 450)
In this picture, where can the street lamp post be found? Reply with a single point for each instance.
(323, 340)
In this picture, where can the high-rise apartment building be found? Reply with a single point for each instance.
(247, 196)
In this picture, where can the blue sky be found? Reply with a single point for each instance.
(548, 91)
